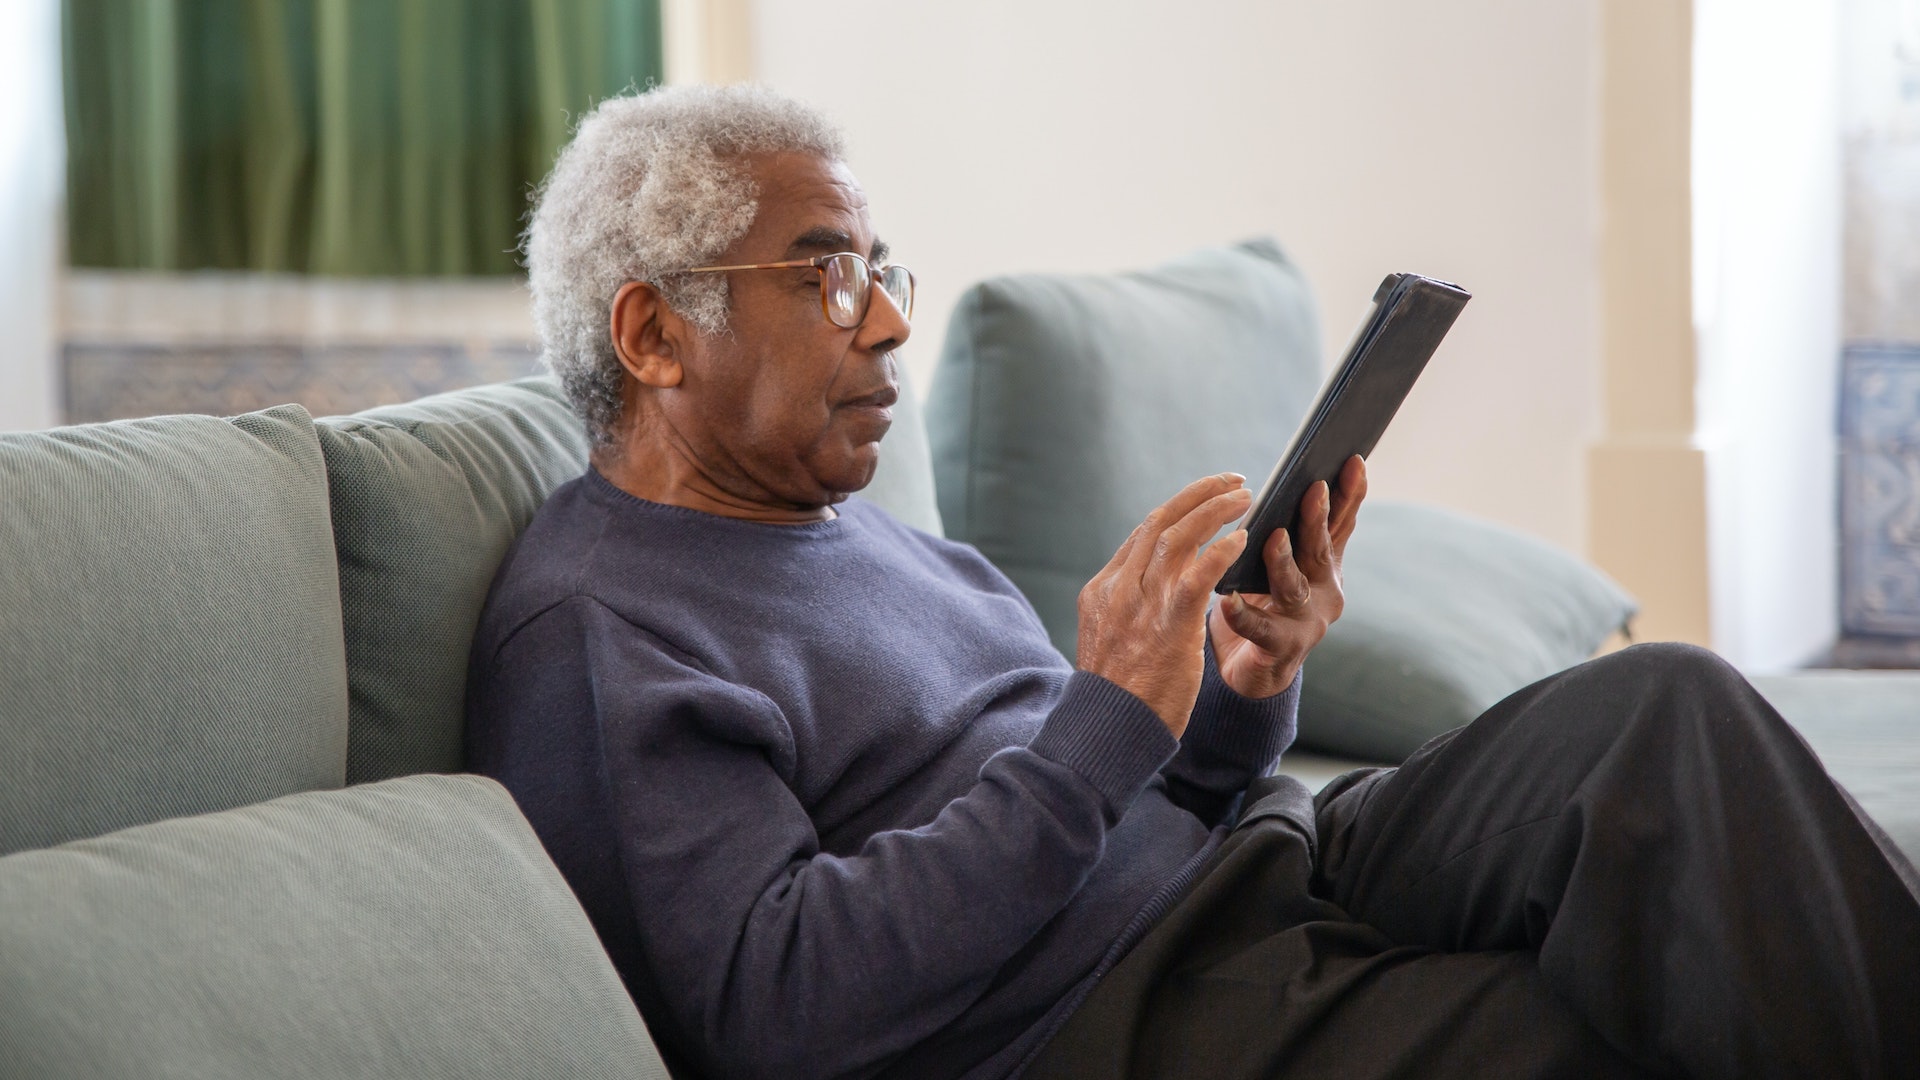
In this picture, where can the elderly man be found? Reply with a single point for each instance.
(837, 808)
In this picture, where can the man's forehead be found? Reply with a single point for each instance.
(813, 206)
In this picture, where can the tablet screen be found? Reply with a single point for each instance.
(1411, 315)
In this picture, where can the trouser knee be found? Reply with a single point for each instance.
(1660, 694)
(1680, 686)
(1672, 670)
(1668, 661)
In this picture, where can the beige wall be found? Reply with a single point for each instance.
(1537, 153)
(1647, 475)
(1456, 139)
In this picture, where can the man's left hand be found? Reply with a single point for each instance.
(1261, 641)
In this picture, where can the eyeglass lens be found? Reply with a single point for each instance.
(845, 289)
(899, 285)
(847, 285)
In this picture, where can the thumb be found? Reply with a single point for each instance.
(1220, 625)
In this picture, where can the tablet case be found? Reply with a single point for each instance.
(1411, 314)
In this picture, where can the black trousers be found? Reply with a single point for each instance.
(1634, 867)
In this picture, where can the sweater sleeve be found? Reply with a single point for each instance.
(771, 957)
(1229, 741)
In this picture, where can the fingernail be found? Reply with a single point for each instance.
(1233, 478)
(1285, 541)
(1235, 601)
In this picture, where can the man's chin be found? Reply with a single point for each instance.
(853, 474)
(864, 425)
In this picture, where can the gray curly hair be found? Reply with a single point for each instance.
(652, 183)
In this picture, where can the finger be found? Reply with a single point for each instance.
(1197, 581)
(1173, 510)
(1267, 630)
(1313, 550)
(1353, 492)
(1217, 625)
(1180, 544)
(1286, 584)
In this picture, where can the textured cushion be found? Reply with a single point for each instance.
(408, 929)
(1067, 407)
(1865, 725)
(169, 622)
(427, 497)
(1445, 616)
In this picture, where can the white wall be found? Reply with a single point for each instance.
(1767, 228)
(32, 182)
(1458, 140)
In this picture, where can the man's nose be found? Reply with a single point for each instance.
(885, 328)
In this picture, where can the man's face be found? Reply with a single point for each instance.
(788, 407)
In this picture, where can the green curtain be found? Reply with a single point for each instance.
(351, 137)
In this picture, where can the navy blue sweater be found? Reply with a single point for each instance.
(832, 800)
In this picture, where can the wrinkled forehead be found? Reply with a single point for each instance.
(808, 205)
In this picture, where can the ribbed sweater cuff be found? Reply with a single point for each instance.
(1248, 732)
(1108, 736)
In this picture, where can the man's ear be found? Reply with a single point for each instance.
(648, 336)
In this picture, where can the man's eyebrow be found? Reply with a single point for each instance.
(820, 239)
(879, 252)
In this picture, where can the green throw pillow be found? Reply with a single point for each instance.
(427, 497)
(169, 622)
(1068, 406)
(413, 929)
(1445, 616)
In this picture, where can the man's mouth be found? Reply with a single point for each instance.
(882, 398)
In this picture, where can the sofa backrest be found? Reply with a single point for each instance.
(1066, 406)
(170, 633)
(426, 499)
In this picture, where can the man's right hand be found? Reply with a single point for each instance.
(1143, 617)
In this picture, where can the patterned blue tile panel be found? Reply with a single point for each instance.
(1880, 489)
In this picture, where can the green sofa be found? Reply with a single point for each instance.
(233, 837)
(234, 840)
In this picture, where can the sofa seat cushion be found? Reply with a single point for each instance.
(170, 635)
(1861, 724)
(408, 929)
(1865, 725)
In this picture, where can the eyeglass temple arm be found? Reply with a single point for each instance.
(794, 265)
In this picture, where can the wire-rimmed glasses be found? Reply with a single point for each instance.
(846, 284)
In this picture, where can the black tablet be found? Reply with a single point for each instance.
(1411, 314)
